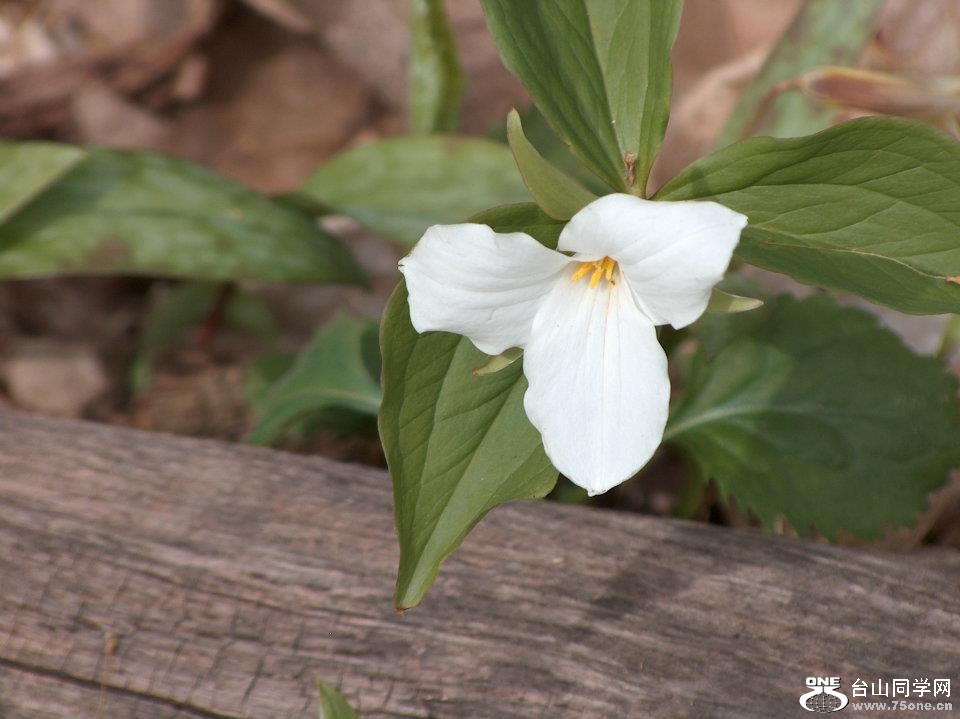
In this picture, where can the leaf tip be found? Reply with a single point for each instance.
(514, 130)
(726, 303)
(406, 597)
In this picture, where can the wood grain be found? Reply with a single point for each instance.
(149, 576)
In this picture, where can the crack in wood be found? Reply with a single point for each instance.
(196, 711)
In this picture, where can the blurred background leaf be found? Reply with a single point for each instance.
(29, 168)
(823, 32)
(337, 371)
(398, 187)
(436, 80)
(135, 213)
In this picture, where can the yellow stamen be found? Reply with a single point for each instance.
(600, 269)
(595, 277)
(610, 267)
(582, 271)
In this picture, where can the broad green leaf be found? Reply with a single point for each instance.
(436, 81)
(333, 705)
(823, 32)
(725, 303)
(29, 168)
(523, 217)
(599, 70)
(559, 195)
(457, 445)
(818, 414)
(871, 206)
(337, 370)
(123, 212)
(399, 187)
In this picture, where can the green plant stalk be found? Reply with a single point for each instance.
(436, 80)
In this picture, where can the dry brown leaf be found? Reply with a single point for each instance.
(284, 13)
(102, 116)
(920, 37)
(275, 106)
(54, 47)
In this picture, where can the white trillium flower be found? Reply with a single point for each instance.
(598, 386)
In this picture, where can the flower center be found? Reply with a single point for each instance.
(602, 269)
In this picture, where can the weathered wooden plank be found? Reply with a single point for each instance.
(159, 577)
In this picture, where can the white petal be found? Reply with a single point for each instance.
(671, 253)
(475, 282)
(599, 390)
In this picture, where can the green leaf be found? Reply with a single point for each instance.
(818, 414)
(29, 168)
(599, 70)
(871, 206)
(538, 131)
(436, 81)
(725, 303)
(457, 445)
(523, 217)
(559, 195)
(333, 705)
(823, 32)
(338, 369)
(398, 187)
(122, 212)
(500, 362)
